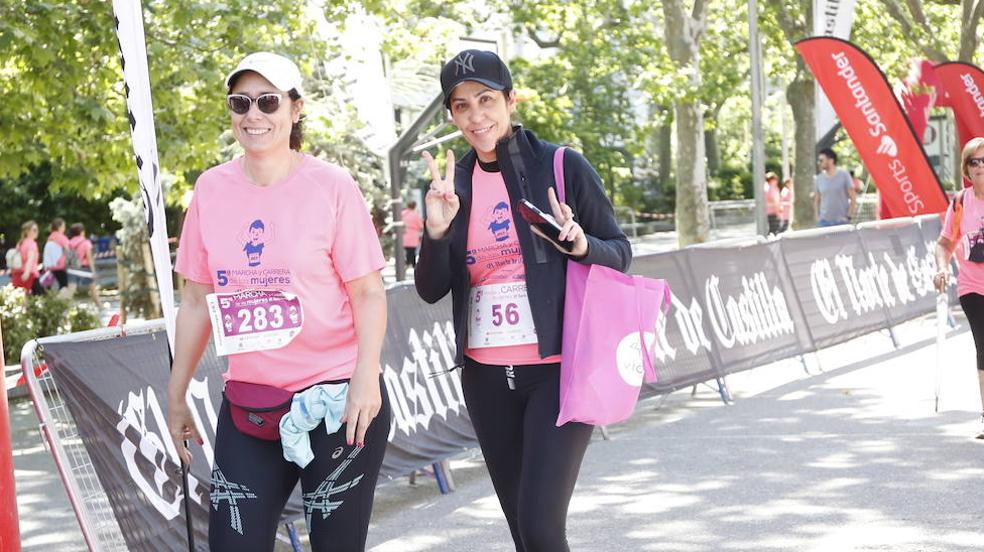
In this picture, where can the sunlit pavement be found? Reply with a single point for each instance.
(849, 459)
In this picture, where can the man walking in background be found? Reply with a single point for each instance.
(834, 197)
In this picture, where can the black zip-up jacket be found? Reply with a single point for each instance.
(527, 168)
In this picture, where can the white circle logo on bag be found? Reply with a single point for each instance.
(628, 357)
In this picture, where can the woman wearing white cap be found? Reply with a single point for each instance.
(282, 243)
(507, 288)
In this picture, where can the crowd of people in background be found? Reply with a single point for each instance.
(66, 263)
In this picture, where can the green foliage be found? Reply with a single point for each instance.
(62, 84)
(25, 317)
(137, 282)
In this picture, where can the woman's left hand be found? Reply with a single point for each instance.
(362, 404)
(571, 231)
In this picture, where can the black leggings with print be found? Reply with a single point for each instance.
(251, 483)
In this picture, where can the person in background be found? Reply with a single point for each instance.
(27, 276)
(786, 205)
(55, 250)
(834, 200)
(413, 225)
(773, 198)
(81, 265)
(963, 234)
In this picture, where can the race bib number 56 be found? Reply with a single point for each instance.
(253, 320)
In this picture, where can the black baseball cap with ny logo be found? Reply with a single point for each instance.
(474, 65)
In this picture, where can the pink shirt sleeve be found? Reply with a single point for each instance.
(947, 231)
(192, 261)
(355, 250)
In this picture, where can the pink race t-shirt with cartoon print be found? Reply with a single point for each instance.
(307, 236)
(971, 275)
(499, 308)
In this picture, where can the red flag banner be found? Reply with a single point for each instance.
(963, 91)
(874, 120)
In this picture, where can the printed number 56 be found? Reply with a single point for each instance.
(511, 314)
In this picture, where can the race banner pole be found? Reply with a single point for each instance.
(9, 528)
(136, 76)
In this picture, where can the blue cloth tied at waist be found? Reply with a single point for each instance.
(307, 410)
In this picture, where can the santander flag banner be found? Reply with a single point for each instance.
(963, 91)
(872, 117)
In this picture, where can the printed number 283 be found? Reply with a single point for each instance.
(257, 319)
(510, 314)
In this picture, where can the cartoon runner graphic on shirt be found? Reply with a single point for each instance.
(254, 247)
(500, 222)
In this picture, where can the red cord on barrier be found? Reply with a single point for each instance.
(9, 528)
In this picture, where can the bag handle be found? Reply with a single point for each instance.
(558, 166)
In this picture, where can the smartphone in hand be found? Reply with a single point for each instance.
(545, 222)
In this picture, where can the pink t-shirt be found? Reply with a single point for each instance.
(772, 199)
(786, 204)
(81, 246)
(26, 247)
(413, 225)
(306, 235)
(971, 275)
(494, 257)
(62, 240)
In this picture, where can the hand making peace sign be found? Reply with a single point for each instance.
(441, 200)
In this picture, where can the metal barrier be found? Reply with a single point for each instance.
(85, 493)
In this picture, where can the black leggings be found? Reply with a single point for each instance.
(251, 483)
(973, 307)
(532, 462)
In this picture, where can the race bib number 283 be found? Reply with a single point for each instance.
(253, 320)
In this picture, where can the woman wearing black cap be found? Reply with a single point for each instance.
(507, 288)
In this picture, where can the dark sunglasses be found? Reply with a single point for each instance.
(267, 103)
(975, 162)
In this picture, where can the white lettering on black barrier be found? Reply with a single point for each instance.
(877, 286)
(146, 460)
(425, 385)
(756, 315)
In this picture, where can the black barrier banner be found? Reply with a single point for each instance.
(681, 347)
(116, 391)
(751, 312)
(906, 264)
(430, 421)
(837, 288)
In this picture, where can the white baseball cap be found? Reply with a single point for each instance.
(280, 71)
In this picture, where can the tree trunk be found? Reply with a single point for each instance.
(665, 152)
(972, 11)
(713, 152)
(801, 100)
(692, 212)
(682, 32)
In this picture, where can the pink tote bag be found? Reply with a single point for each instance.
(605, 356)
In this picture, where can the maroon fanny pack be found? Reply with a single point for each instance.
(256, 409)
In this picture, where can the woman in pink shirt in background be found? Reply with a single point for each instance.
(785, 205)
(963, 234)
(27, 276)
(280, 245)
(772, 201)
(413, 225)
(84, 275)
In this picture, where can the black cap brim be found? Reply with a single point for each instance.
(490, 84)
